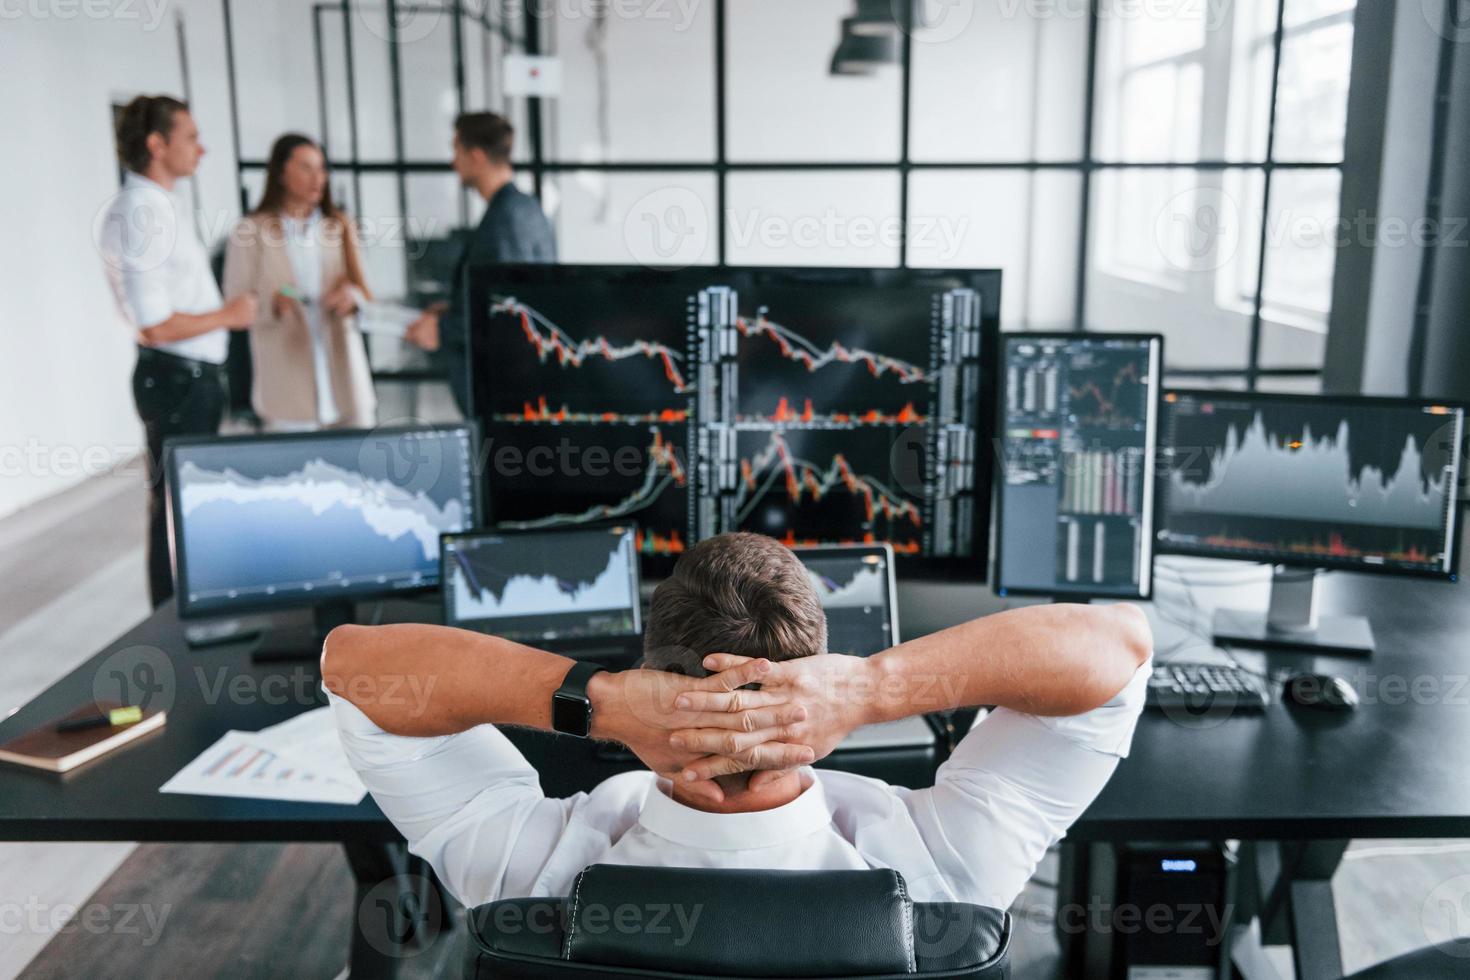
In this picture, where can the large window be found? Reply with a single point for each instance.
(1169, 166)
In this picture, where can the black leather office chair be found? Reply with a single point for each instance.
(690, 923)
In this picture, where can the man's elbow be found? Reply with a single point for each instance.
(1136, 636)
(340, 653)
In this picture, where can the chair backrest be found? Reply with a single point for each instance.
(694, 923)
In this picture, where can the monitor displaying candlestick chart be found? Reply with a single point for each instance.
(822, 407)
(1079, 431)
(272, 521)
(569, 583)
(1316, 481)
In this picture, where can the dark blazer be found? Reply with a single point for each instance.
(513, 230)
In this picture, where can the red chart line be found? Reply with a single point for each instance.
(803, 477)
(797, 348)
(575, 353)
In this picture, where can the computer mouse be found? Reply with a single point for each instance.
(1320, 691)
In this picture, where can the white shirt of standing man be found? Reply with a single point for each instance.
(157, 266)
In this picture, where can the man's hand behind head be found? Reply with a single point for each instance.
(641, 707)
(836, 692)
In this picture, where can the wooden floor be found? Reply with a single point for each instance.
(230, 912)
(265, 910)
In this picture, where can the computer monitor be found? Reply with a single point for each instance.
(856, 586)
(1078, 437)
(566, 584)
(817, 406)
(1311, 482)
(265, 522)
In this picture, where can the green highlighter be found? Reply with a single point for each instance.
(291, 292)
(115, 717)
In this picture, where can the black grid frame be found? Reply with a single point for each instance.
(1087, 166)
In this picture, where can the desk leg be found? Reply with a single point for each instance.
(397, 913)
(1300, 903)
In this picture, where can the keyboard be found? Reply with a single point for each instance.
(1201, 687)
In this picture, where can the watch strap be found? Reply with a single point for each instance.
(571, 709)
(575, 683)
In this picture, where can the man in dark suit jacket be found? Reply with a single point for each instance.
(513, 230)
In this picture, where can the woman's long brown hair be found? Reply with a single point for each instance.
(273, 200)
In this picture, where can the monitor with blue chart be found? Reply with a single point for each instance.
(269, 522)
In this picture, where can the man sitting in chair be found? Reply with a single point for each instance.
(730, 785)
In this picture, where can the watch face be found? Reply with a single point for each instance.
(571, 715)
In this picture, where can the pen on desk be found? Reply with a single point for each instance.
(117, 716)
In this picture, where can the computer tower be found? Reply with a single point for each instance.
(1147, 911)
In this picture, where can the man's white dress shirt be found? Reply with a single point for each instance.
(157, 267)
(471, 805)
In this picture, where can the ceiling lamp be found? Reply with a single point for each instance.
(860, 53)
(874, 17)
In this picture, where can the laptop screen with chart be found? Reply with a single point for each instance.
(858, 589)
(856, 586)
(535, 586)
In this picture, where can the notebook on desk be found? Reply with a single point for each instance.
(49, 750)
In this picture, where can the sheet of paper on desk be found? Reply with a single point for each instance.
(240, 764)
(310, 739)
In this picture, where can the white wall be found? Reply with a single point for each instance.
(66, 358)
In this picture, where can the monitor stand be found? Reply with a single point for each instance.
(218, 632)
(288, 645)
(1291, 621)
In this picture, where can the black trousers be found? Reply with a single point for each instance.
(175, 396)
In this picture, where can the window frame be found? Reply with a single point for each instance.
(1088, 166)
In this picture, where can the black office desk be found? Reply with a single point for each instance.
(1311, 780)
(1397, 766)
(217, 689)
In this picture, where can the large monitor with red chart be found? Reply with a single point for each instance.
(819, 406)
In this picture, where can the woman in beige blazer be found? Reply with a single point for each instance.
(297, 252)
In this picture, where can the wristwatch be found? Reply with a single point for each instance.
(571, 710)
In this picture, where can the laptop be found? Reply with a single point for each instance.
(573, 591)
(857, 587)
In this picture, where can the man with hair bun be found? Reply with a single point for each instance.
(161, 277)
